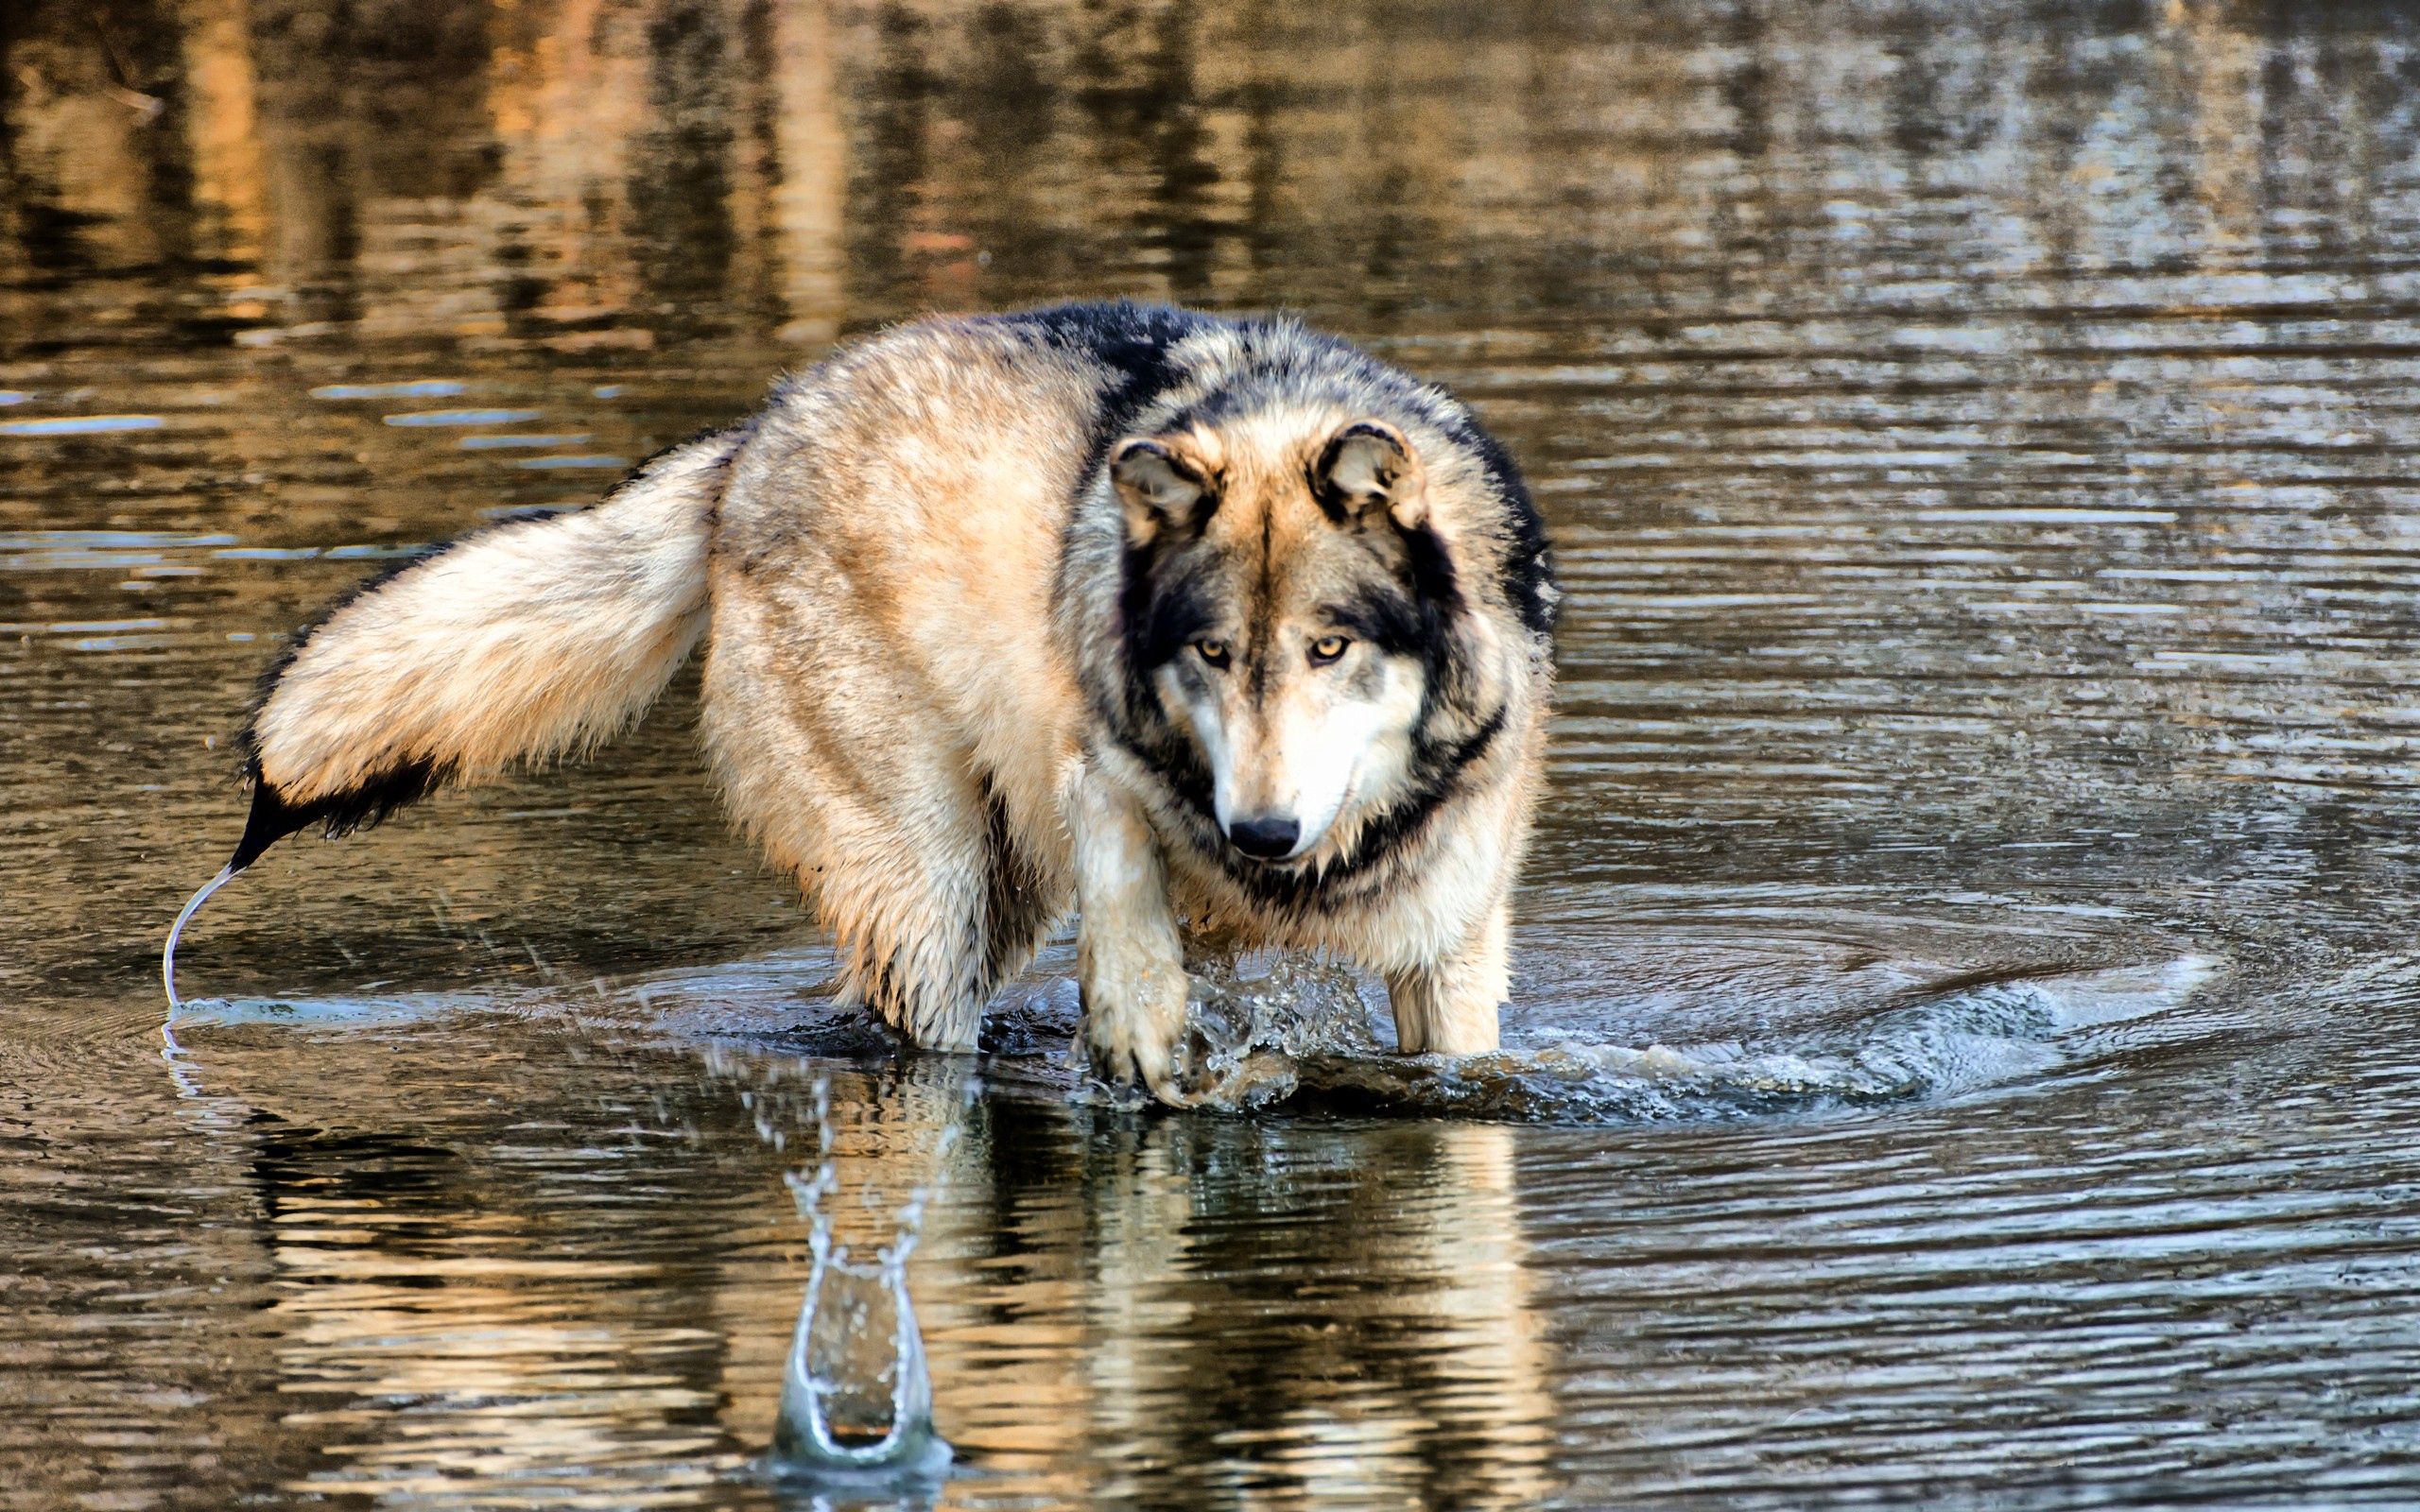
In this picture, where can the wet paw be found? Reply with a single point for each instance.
(1120, 1065)
(1126, 1050)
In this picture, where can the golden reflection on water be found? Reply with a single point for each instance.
(1362, 1333)
(583, 177)
(1151, 1311)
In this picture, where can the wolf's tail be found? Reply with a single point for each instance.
(533, 638)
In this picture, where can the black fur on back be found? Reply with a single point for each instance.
(1132, 341)
(1528, 564)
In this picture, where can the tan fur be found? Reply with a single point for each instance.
(918, 566)
(875, 670)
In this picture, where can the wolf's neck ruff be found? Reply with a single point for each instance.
(1070, 607)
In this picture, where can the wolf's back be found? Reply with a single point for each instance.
(534, 638)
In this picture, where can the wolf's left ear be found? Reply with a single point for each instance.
(1368, 466)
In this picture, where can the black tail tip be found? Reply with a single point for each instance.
(368, 803)
(272, 819)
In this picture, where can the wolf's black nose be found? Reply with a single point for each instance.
(1265, 839)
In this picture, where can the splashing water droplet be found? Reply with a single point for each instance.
(856, 1394)
(176, 932)
(1253, 1019)
(856, 1401)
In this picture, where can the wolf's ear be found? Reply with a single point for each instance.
(1369, 466)
(1165, 482)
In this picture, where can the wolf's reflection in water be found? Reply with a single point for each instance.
(1293, 1309)
(434, 1316)
(534, 1258)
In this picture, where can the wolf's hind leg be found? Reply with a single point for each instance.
(957, 920)
(935, 904)
(906, 852)
(927, 935)
(1451, 1006)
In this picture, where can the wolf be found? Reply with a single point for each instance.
(1202, 626)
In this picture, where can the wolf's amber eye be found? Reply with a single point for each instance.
(1327, 648)
(1213, 652)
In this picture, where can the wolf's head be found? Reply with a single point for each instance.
(1296, 624)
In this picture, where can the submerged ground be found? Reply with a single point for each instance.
(1967, 1000)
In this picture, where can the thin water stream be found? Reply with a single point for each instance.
(1963, 1053)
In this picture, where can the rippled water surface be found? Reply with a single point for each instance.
(1965, 1047)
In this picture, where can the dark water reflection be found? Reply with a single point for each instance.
(1976, 439)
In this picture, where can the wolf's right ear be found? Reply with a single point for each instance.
(1165, 482)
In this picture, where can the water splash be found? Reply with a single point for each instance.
(1251, 1019)
(176, 932)
(856, 1396)
(1297, 1033)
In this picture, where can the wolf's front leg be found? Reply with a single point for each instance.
(1130, 961)
(1450, 1005)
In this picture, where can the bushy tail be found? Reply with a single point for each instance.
(530, 639)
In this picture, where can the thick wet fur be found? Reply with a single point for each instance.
(1192, 624)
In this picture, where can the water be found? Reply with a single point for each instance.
(857, 1394)
(1963, 1048)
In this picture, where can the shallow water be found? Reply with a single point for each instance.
(1964, 1047)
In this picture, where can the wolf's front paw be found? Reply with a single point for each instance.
(1134, 1024)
